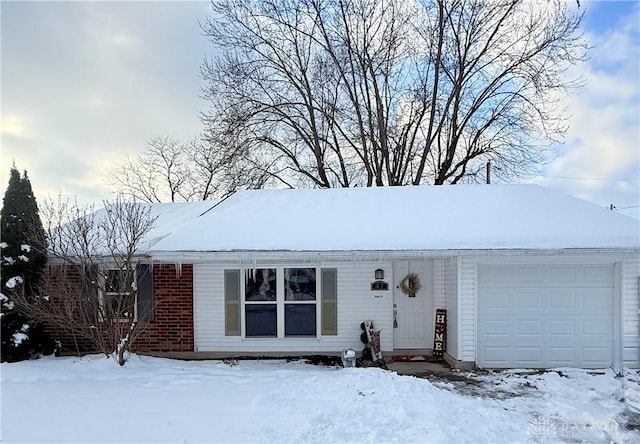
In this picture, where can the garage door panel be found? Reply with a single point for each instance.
(561, 356)
(527, 275)
(565, 321)
(593, 302)
(496, 328)
(598, 275)
(526, 355)
(562, 300)
(499, 355)
(596, 327)
(530, 300)
(594, 354)
(500, 302)
(528, 328)
(536, 356)
(496, 276)
(563, 275)
(504, 276)
(562, 327)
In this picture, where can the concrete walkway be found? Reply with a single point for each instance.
(420, 369)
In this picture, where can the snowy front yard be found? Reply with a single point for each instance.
(159, 400)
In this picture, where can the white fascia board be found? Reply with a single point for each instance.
(368, 256)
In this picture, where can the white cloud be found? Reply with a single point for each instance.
(86, 81)
(603, 142)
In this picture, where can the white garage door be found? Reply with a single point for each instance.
(543, 316)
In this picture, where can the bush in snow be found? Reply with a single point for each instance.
(91, 283)
(24, 255)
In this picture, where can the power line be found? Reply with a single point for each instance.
(620, 179)
(626, 208)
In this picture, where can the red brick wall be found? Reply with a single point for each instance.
(64, 281)
(172, 327)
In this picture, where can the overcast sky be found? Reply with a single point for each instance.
(84, 82)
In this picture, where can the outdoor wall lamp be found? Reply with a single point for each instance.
(379, 273)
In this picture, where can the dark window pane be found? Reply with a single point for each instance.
(260, 319)
(113, 281)
(300, 319)
(121, 305)
(260, 285)
(145, 292)
(119, 281)
(300, 284)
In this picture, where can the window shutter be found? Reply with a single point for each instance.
(144, 285)
(232, 302)
(91, 282)
(329, 301)
(90, 288)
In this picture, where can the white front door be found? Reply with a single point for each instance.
(413, 315)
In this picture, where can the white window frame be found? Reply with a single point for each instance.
(315, 302)
(245, 303)
(280, 303)
(105, 295)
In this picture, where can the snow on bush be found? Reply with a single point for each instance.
(25, 248)
(3, 245)
(18, 338)
(16, 280)
(6, 303)
(23, 258)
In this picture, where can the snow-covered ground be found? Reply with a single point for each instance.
(159, 400)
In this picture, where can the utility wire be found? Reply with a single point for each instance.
(621, 179)
(626, 208)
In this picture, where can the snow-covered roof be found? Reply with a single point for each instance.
(402, 218)
(169, 217)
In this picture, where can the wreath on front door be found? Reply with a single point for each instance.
(410, 285)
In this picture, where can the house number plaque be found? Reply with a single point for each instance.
(379, 286)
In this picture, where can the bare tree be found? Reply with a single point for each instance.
(90, 291)
(172, 170)
(159, 174)
(378, 92)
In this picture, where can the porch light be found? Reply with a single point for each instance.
(379, 274)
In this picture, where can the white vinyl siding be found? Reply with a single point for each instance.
(455, 287)
(451, 295)
(631, 311)
(355, 303)
(467, 308)
(439, 296)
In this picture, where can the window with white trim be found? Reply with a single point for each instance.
(280, 302)
(260, 305)
(119, 294)
(126, 294)
(300, 302)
